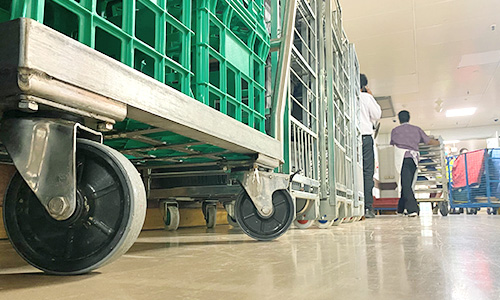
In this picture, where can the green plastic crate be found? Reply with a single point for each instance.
(160, 148)
(154, 37)
(231, 46)
(151, 36)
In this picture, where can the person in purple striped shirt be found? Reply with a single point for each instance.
(407, 137)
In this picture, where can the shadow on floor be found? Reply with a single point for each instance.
(27, 280)
(146, 246)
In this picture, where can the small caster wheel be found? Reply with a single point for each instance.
(171, 217)
(436, 209)
(323, 224)
(110, 211)
(489, 211)
(210, 213)
(443, 208)
(337, 222)
(494, 210)
(229, 206)
(471, 211)
(231, 221)
(269, 227)
(303, 224)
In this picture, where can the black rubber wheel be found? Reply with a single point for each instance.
(110, 211)
(265, 228)
(443, 208)
(231, 221)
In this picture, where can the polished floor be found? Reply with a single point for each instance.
(390, 257)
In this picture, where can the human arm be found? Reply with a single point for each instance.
(424, 138)
(433, 142)
(374, 110)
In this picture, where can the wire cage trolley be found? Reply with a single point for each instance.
(327, 118)
(474, 181)
(430, 185)
(78, 123)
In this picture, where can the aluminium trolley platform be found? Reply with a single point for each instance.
(56, 94)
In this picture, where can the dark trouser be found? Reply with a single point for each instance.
(407, 199)
(368, 170)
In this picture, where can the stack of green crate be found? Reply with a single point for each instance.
(153, 37)
(231, 46)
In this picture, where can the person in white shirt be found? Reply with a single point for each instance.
(370, 114)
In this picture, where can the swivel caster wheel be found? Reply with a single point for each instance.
(210, 213)
(337, 222)
(471, 211)
(443, 208)
(323, 224)
(303, 224)
(171, 216)
(110, 211)
(231, 221)
(229, 206)
(265, 227)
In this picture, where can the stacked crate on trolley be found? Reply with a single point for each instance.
(231, 46)
(153, 37)
(215, 148)
(186, 151)
(474, 181)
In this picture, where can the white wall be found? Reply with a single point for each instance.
(468, 133)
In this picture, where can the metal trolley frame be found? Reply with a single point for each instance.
(77, 203)
(57, 93)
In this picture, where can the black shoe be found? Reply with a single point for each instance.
(369, 213)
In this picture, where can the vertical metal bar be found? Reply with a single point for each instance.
(283, 72)
(296, 147)
(329, 87)
(450, 181)
(487, 169)
(306, 153)
(311, 157)
(467, 178)
(301, 149)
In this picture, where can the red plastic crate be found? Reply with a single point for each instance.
(385, 203)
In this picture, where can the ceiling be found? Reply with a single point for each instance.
(430, 56)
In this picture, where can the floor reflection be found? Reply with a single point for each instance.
(389, 257)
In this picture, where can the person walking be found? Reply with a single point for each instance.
(406, 138)
(370, 114)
